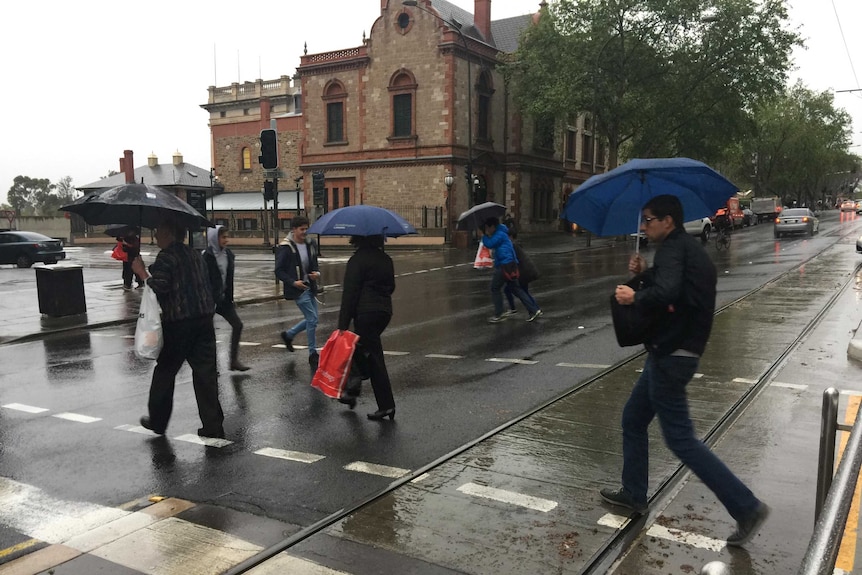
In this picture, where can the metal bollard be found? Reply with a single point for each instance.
(826, 463)
(715, 568)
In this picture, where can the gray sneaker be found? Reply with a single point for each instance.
(623, 498)
(509, 312)
(496, 319)
(747, 529)
(535, 315)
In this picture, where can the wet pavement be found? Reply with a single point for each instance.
(525, 500)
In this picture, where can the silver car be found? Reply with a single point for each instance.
(796, 221)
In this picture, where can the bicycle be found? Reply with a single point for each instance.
(722, 238)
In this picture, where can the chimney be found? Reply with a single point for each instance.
(482, 18)
(152, 160)
(265, 111)
(127, 164)
(178, 158)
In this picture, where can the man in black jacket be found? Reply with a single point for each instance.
(296, 266)
(681, 285)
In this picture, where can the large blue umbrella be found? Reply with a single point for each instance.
(362, 220)
(610, 204)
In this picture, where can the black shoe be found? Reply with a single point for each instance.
(288, 341)
(622, 498)
(313, 361)
(147, 424)
(747, 529)
(239, 366)
(348, 400)
(381, 414)
(219, 434)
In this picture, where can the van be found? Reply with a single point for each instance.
(734, 212)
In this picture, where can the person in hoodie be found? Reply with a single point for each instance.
(495, 236)
(296, 266)
(220, 266)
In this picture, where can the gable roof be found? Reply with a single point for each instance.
(506, 32)
(182, 175)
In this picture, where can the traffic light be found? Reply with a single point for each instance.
(318, 188)
(268, 191)
(268, 149)
(468, 175)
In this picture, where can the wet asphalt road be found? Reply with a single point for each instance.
(443, 402)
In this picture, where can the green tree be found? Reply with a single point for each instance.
(26, 194)
(660, 77)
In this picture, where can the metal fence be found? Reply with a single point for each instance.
(420, 216)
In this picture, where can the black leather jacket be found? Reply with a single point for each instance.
(682, 283)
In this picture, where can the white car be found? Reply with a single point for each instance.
(701, 228)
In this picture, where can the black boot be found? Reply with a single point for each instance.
(236, 364)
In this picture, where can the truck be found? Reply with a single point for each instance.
(733, 211)
(766, 208)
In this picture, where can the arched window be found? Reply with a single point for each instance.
(334, 98)
(402, 90)
(485, 90)
(246, 160)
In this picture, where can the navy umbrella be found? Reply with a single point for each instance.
(610, 204)
(475, 216)
(362, 220)
(137, 205)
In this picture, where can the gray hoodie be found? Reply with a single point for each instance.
(217, 251)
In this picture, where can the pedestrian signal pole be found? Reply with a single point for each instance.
(269, 160)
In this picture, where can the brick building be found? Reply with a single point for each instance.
(387, 121)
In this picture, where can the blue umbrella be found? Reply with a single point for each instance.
(610, 204)
(361, 221)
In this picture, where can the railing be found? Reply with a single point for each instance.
(831, 514)
(333, 56)
(420, 216)
(251, 90)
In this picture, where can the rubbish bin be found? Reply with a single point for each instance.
(61, 290)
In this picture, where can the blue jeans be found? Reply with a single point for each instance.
(307, 304)
(660, 391)
(497, 283)
(511, 298)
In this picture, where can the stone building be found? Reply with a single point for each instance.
(387, 121)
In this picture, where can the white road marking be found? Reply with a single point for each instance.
(128, 337)
(375, 469)
(511, 497)
(444, 356)
(252, 343)
(77, 417)
(405, 274)
(109, 532)
(290, 455)
(744, 380)
(797, 386)
(385, 352)
(434, 269)
(697, 376)
(421, 272)
(512, 360)
(661, 532)
(135, 429)
(448, 267)
(584, 365)
(208, 441)
(850, 392)
(422, 477)
(26, 408)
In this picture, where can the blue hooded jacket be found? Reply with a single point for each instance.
(500, 242)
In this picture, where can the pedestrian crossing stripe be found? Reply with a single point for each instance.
(375, 469)
(25, 408)
(512, 360)
(289, 455)
(662, 532)
(510, 497)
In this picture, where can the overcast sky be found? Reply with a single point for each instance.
(83, 81)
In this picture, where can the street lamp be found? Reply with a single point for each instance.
(212, 192)
(457, 27)
(449, 180)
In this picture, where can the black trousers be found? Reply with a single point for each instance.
(368, 358)
(228, 312)
(191, 340)
(128, 274)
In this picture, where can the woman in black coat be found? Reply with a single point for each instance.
(369, 281)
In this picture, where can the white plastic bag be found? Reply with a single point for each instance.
(148, 333)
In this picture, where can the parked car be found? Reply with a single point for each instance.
(701, 228)
(25, 248)
(795, 221)
(848, 206)
(859, 245)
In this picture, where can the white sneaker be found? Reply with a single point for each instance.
(535, 315)
(496, 319)
(508, 313)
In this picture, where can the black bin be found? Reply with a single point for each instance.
(61, 290)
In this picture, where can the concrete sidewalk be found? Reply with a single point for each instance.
(107, 303)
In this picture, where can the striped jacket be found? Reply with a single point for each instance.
(181, 284)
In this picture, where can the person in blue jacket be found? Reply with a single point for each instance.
(495, 236)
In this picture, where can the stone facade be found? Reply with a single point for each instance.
(409, 52)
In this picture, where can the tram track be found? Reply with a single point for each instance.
(603, 559)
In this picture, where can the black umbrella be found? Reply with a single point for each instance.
(138, 205)
(121, 230)
(473, 218)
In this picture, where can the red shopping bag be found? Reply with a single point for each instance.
(483, 258)
(334, 365)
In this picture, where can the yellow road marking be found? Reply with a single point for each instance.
(15, 548)
(847, 551)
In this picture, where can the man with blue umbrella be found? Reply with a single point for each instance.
(680, 288)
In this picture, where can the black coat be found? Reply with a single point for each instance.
(682, 284)
(369, 281)
(528, 272)
(222, 292)
(288, 267)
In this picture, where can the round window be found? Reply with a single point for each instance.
(403, 20)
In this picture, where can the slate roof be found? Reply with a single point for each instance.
(182, 175)
(248, 201)
(505, 32)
